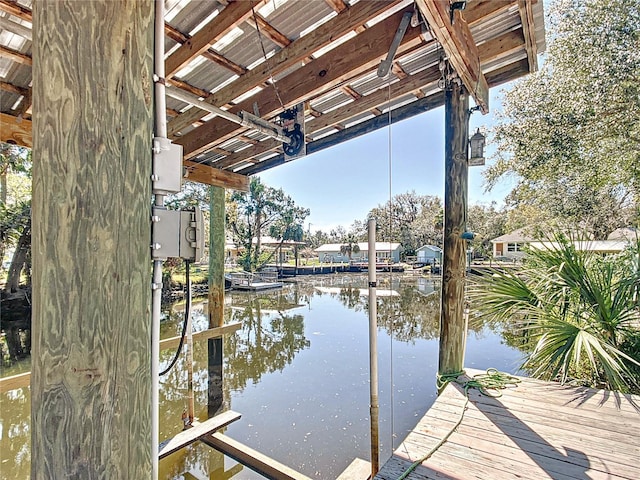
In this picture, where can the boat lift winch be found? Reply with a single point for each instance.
(292, 138)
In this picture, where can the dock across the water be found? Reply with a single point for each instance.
(266, 280)
(537, 430)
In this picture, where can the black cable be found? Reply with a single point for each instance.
(187, 312)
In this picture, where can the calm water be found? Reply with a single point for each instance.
(298, 371)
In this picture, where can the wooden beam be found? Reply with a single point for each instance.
(503, 46)
(91, 351)
(216, 332)
(458, 44)
(453, 329)
(525, 7)
(196, 432)
(232, 15)
(298, 50)
(188, 87)
(209, 54)
(494, 78)
(359, 469)
(399, 114)
(10, 87)
(495, 48)
(17, 10)
(212, 176)
(270, 32)
(14, 55)
(256, 461)
(15, 130)
(21, 380)
(480, 10)
(25, 105)
(338, 66)
(337, 5)
(18, 132)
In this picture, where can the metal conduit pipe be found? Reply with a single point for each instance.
(245, 119)
(373, 349)
(156, 285)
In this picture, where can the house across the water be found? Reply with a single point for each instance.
(512, 245)
(429, 254)
(385, 251)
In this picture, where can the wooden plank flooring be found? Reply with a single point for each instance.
(196, 432)
(537, 430)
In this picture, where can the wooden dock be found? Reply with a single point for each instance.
(537, 430)
(254, 281)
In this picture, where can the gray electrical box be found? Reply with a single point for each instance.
(177, 233)
(167, 167)
(191, 235)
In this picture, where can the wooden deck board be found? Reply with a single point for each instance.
(196, 432)
(537, 430)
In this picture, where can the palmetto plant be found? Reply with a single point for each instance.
(580, 311)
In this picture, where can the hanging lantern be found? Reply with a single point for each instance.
(477, 149)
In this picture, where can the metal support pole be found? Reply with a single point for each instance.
(373, 350)
(156, 295)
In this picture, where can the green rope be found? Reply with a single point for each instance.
(491, 380)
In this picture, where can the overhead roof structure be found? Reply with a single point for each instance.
(267, 55)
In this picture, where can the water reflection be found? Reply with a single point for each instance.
(298, 372)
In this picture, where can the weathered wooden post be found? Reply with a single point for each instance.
(453, 329)
(216, 296)
(92, 131)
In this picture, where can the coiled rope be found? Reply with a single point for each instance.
(492, 379)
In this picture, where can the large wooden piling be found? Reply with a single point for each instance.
(93, 124)
(453, 329)
(216, 297)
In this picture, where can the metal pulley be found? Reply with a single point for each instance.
(297, 141)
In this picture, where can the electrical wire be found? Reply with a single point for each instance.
(491, 380)
(187, 312)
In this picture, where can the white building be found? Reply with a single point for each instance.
(330, 252)
(429, 254)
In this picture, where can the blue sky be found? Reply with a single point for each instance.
(343, 183)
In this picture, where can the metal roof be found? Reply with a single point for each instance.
(323, 53)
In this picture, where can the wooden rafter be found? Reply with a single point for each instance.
(181, 38)
(397, 70)
(232, 15)
(484, 9)
(15, 55)
(494, 78)
(492, 50)
(298, 50)
(25, 105)
(188, 87)
(17, 10)
(15, 130)
(10, 87)
(270, 32)
(525, 7)
(458, 44)
(335, 67)
(336, 5)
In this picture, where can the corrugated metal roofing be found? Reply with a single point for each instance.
(294, 19)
